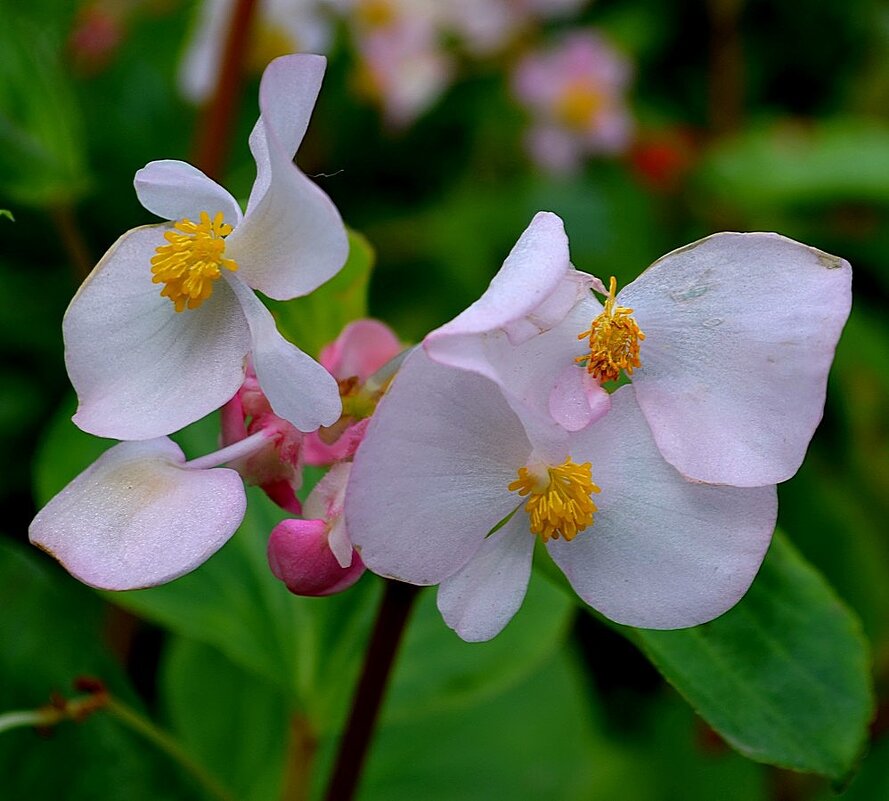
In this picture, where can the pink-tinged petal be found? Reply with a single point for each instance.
(292, 239)
(478, 601)
(577, 399)
(535, 269)
(299, 389)
(175, 190)
(740, 335)
(362, 348)
(319, 453)
(141, 369)
(341, 544)
(299, 555)
(663, 552)
(281, 492)
(529, 373)
(326, 498)
(430, 479)
(137, 517)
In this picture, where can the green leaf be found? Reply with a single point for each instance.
(313, 321)
(51, 629)
(7, 213)
(212, 703)
(784, 676)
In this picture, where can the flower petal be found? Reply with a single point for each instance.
(478, 601)
(137, 517)
(362, 348)
(298, 388)
(663, 552)
(175, 190)
(430, 479)
(292, 239)
(140, 369)
(740, 334)
(576, 399)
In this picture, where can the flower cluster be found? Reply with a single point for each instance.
(639, 438)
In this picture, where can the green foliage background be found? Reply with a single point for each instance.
(255, 682)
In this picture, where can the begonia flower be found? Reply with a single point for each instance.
(279, 27)
(141, 515)
(314, 556)
(575, 92)
(446, 459)
(158, 334)
(728, 342)
(363, 348)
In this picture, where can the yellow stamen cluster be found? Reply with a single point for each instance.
(578, 104)
(614, 338)
(559, 501)
(192, 260)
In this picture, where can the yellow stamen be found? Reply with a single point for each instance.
(614, 338)
(578, 104)
(559, 502)
(191, 261)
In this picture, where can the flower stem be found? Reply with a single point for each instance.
(164, 742)
(395, 608)
(237, 450)
(217, 121)
(27, 717)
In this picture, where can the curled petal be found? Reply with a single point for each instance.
(137, 517)
(175, 190)
(740, 335)
(141, 369)
(430, 479)
(298, 388)
(663, 552)
(576, 399)
(292, 239)
(478, 601)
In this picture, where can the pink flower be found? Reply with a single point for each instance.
(314, 556)
(362, 348)
(728, 342)
(575, 93)
(447, 459)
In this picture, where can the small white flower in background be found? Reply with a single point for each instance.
(158, 335)
(574, 91)
(279, 27)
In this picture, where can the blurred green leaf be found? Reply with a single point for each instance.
(212, 704)
(7, 213)
(437, 671)
(784, 676)
(788, 163)
(42, 146)
(51, 630)
(313, 321)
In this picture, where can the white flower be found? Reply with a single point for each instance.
(158, 334)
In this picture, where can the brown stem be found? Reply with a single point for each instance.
(217, 120)
(65, 220)
(395, 608)
(301, 750)
(726, 88)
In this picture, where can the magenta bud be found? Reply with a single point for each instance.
(299, 554)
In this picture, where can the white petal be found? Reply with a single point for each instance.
(137, 517)
(430, 479)
(663, 552)
(740, 334)
(293, 238)
(140, 369)
(298, 388)
(530, 373)
(478, 601)
(175, 190)
(576, 399)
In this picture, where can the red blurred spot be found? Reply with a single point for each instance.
(662, 159)
(95, 37)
